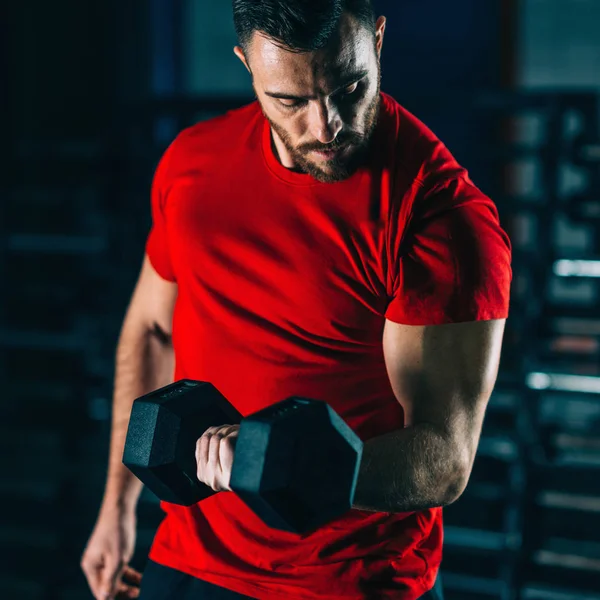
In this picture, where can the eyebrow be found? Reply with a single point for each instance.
(345, 82)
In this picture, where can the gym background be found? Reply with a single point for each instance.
(92, 93)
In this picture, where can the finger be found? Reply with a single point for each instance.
(126, 591)
(227, 453)
(202, 449)
(132, 576)
(122, 590)
(233, 434)
(225, 456)
(222, 430)
(127, 594)
(93, 574)
(111, 574)
(213, 453)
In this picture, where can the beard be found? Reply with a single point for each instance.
(338, 169)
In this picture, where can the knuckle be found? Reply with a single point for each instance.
(113, 566)
(87, 562)
(223, 431)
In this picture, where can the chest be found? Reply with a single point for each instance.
(301, 258)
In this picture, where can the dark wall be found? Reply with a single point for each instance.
(433, 47)
(92, 92)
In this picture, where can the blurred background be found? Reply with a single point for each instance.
(92, 92)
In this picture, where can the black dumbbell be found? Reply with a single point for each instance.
(296, 462)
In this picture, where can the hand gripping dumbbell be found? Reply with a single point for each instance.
(296, 462)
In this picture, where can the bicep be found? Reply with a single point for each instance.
(444, 374)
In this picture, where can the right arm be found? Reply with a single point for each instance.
(144, 363)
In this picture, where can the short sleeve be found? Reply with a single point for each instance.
(157, 243)
(454, 262)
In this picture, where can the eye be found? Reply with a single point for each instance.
(291, 104)
(350, 89)
(350, 93)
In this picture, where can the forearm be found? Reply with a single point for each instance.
(144, 362)
(409, 470)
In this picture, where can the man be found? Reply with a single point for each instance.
(319, 242)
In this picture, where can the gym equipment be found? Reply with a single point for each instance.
(296, 462)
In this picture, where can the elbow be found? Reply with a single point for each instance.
(454, 491)
(457, 483)
(159, 334)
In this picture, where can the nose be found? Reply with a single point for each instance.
(325, 122)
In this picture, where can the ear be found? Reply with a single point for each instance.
(240, 54)
(379, 32)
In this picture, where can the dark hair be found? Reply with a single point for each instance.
(298, 25)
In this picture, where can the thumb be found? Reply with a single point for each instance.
(109, 583)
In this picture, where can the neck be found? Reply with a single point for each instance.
(280, 151)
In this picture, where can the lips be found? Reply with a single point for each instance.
(330, 153)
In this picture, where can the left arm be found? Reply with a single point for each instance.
(443, 376)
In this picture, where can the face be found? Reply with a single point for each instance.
(322, 105)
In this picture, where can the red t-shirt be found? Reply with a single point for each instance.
(284, 286)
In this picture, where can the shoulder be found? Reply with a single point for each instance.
(207, 143)
(223, 130)
(420, 158)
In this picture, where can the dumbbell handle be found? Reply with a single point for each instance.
(176, 486)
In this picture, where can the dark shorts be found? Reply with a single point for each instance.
(163, 583)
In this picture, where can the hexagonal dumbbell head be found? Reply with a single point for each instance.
(296, 464)
(160, 448)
